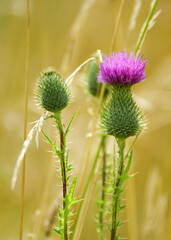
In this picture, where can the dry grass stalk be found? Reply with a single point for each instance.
(70, 78)
(133, 20)
(90, 138)
(43, 201)
(156, 208)
(116, 27)
(25, 122)
(50, 218)
(86, 204)
(75, 33)
(153, 20)
(83, 214)
(36, 129)
(131, 208)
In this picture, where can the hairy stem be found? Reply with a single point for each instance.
(63, 168)
(117, 192)
(101, 217)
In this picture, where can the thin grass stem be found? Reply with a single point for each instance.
(131, 213)
(25, 120)
(89, 180)
(69, 79)
(131, 202)
(116, 27)
(94, 125)
(87, 203)
(145, 27)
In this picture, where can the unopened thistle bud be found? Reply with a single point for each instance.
(93, 85)
(120, 115)
(53, 94)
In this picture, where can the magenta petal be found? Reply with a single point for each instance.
(121, 68)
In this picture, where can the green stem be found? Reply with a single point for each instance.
(101, 217)
(88, 180)
(63, 168)
(117, 192)
(145, 28)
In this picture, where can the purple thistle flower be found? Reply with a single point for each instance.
(121, 68)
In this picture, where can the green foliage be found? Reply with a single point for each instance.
(119, 179)
(68, 200)
(53, 94)
(69, 125)
(117, 207)
(66, 213)
(120, 115)
(146, 25)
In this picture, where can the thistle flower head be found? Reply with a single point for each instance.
(121, 68)
(52, 93)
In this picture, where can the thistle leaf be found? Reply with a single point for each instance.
(47, 138)
(68, 127)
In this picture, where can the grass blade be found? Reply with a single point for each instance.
(146, 25)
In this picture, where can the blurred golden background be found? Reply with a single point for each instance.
(63, 34)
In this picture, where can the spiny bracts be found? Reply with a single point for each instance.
(120, 116)
(52, 93)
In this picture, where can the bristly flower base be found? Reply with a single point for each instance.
(120, 115)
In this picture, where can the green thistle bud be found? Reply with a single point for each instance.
(53, 93)
(120, 115)
(93, 86)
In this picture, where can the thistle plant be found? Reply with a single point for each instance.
(53, 95)
(94, 89)
(121, 118)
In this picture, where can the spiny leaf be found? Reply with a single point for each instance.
(56, 150)
(117, 237)
(121, 223)
(69, 168)
(51, 116)
(66, 157)
(130, 149)
(129, 163)
(68, 177)
(47, 138)
(109, 227)
(71, 192)
(122, 207)
(68, 127)
(53, 144)
(58, 230)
